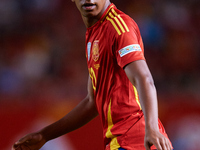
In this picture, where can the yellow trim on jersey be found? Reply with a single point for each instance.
(114, 143)
(110, 123)
(106, 14)
(117, 22)
(120, 26)
(93, 78)
(124, 24)
(137, 97)
(114, 25)
(126, 27)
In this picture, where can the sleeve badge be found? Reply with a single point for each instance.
(128, 49)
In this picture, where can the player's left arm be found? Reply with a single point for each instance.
(140, 76)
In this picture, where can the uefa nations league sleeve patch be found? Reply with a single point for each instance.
(128, 49)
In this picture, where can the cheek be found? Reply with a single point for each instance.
(101, 5)
(79, 8)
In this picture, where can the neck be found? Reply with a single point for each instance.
(91, 20)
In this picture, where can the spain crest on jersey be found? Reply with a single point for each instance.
(95, 50)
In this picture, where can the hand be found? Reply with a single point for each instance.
(33, 141)
(157, 139)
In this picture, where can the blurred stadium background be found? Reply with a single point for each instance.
(43, 71)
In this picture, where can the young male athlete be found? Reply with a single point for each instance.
(120, 86)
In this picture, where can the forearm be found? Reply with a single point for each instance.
(140, 76)
(79, 116)
(148, 100)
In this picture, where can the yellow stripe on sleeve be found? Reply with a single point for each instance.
(114, 25)
(126, 27)
(119, 24)
(124, 24)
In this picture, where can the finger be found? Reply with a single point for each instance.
(147, 145)
(147, 148)
(157, 145)
(24, 147)
(24, 139)
(15, 147)
(171, 148)
(163, 144)
(168, 145)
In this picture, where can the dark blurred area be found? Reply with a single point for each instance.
(43, 70)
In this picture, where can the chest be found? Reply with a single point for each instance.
(98, 47)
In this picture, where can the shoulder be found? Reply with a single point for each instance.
(119, 23)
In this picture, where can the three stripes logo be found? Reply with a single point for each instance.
(117, 22)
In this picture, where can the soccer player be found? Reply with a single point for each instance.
(120, 86)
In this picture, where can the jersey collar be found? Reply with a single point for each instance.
(106, 12)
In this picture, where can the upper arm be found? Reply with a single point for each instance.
(138, 71)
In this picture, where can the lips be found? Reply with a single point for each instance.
(88, 6)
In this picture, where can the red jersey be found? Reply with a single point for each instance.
(112, 43)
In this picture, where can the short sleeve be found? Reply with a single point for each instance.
(128, 46)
